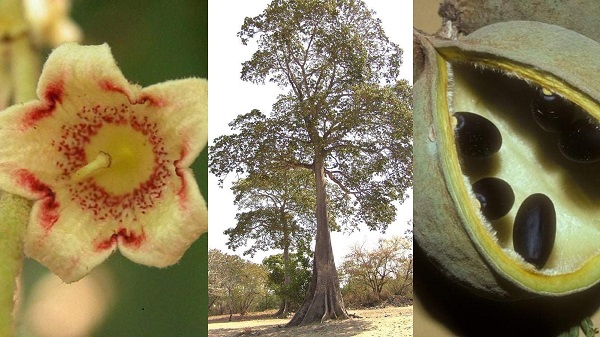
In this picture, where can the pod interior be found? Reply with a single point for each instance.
(530, 161)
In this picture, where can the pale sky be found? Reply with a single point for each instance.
(229, 96)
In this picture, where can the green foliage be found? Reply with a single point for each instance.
(299, 271)
(314, 45)
(276, 211)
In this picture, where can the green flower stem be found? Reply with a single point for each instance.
(12, 18)
(14, 215)
(5, 78)
(20, 63)
(25, 69)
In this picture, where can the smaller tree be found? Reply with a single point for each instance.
(224, 271)
(234, 282)
(298, 273)
(402, 284)
(375, 268)
(252, 279)
(216, 285)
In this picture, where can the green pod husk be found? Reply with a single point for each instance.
(470, 15)
(448, 227)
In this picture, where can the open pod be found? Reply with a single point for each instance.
(504, 73)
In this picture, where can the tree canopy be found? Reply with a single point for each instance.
(349, 109)
(276, 211)
(390, 260)
(233, 282)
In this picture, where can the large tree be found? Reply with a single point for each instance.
(346, 118)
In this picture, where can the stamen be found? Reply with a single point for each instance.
(103, 160)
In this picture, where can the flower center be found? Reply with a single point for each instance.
(123, 159)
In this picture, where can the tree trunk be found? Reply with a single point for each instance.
(406, 275)
(323, 300)
(283, 309)
(230, 305)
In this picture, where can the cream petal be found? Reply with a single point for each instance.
(76, 75)
(182, 111)
(76, 81)
(65, 238)
(168, 229)
(27, 157)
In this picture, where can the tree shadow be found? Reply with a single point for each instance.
(334, 328)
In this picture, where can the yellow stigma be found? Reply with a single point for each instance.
(123, 159)
(102, 161)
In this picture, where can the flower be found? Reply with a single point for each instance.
(106, 163)
(50, 22)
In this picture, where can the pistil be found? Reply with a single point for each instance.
(102, 161)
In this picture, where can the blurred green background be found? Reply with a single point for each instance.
(152, 41)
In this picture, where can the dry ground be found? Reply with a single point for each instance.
(380, 322)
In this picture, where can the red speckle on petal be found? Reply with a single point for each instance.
(108, 85)
(102, 204)
(49, 206)
(108, 243)
(154, 101)
(54, 93)
(129, 239)
(37, 113)
(52, 96)
(49, 213)
(29, 181)
(182, 193)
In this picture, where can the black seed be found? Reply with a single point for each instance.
(495, 195)
(580, 142)
(535, 229)
(551, 112)
(476, 136)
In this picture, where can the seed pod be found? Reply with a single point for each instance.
(535, 229)
(495, 196)
(476, 136)
(494, 72)
(550, 111)
(580, 141)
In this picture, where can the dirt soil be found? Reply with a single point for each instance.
(380, 322)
